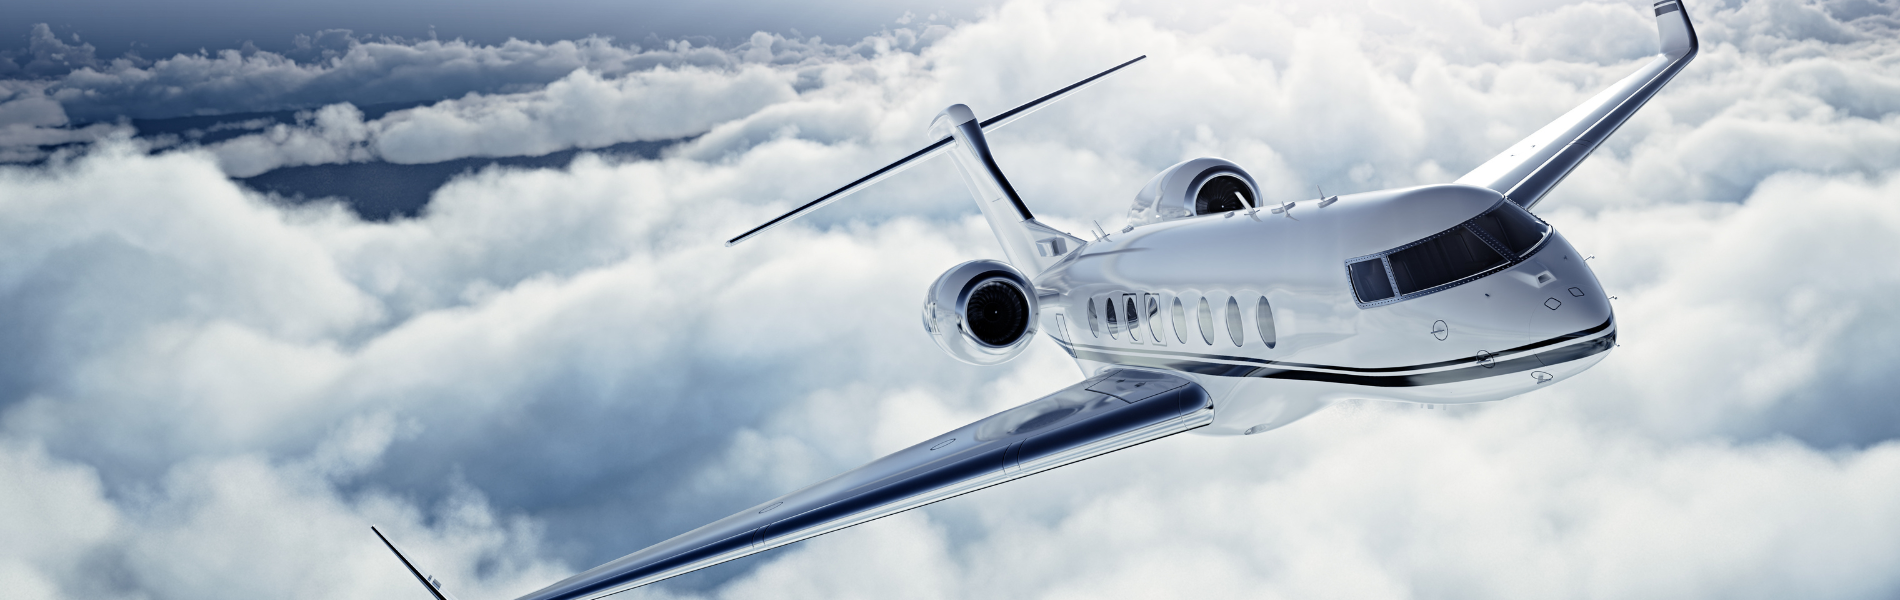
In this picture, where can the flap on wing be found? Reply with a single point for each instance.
(1116, 410)
(1528, 170)
(1134, 386)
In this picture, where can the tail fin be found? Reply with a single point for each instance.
(938, 147)
(1029, 245)
(1528, 170)
(434, 585)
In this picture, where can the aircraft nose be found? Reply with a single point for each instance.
(1572, 300)
(1569, 309)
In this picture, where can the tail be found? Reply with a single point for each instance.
(1029, 245)
(1526, 171)
(434, 585)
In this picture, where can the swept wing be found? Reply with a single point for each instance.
(1103, 414)
(1531, 167)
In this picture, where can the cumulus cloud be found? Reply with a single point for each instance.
(210, 393)
(581, 110)
(337, 66)
(515, 98)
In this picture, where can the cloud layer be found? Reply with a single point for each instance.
(212, 393)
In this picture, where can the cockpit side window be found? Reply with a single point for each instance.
(1370, 281)
(1491, 241)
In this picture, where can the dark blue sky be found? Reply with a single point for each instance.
(158, 29)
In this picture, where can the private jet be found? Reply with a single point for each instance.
(1215, 313)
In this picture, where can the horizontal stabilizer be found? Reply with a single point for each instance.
(432, 584)
(935, 148)
(1529, 169)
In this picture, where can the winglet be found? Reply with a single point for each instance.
(1528, 170)
(434, 586)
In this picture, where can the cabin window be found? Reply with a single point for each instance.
(1263, 319)
(1206, 316)
(1095, 329)
(1133, 317)
(1234, 331)
(1114, 327)
(1154, 318)
(1180, 322)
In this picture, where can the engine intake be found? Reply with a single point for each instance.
(981, 312)
(1202, 186)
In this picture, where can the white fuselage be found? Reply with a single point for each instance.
(1502, 334)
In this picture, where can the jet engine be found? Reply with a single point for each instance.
(1202, 186)
(981, 312)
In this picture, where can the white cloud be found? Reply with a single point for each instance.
(581, 110)
(207, 393)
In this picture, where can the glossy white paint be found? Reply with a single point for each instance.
(1297, 261)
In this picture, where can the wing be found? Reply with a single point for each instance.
(1097, 416)
(1533, 166)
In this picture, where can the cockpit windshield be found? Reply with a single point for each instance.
(1485, 244)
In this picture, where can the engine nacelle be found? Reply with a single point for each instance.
(1202, 186)
(982, 312)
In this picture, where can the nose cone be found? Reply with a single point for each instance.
(1573, 300)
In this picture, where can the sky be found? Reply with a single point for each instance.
(210, 389)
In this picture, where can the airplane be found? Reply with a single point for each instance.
(1215, 313)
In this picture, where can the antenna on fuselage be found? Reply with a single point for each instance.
(1252, 210)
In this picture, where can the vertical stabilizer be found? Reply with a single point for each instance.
(1028, 244)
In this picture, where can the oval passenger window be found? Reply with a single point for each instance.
(1180, 322)
(1133, 317)
(1263, 318)
(1154, 318)
(1095, 329)
(1233, 322)
(1206, 316)
(1114, 327)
